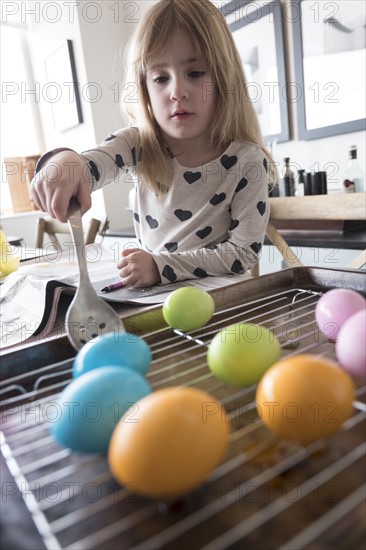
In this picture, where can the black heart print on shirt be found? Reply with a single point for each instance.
(198, 272)
(171, 247)
(261, 207)
(237, 267)
(191, 177)
(94, 170)
(169, 273)
(202, 233)
(119, 161)
(183, 215)
(241, 185)
(228, 162)
(233, 225)
(216, 199)
(256, 247)
(153, 224)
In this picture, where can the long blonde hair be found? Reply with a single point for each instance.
(235, 117)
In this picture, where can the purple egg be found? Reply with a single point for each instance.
(335, 307)
(351, 345)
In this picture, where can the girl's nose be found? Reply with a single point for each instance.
(179, 90)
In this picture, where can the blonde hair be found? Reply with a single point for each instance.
(235, 117)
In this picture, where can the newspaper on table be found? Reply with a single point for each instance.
(29, 297)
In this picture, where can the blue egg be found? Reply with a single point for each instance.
(118, 349)
(89, 408)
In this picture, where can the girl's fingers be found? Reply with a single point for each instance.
(122, 264)
(59, 205)
(38, 203)
(128, 251)
(42, 200)
(129, 281)
(84, 198)
(38, 194)
(53, 186)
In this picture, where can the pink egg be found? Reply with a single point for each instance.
(351, 345)
(335, 307)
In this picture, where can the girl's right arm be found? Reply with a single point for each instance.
(62, 174)
(59, 177)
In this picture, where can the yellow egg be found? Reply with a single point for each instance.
(9, 262)
(169, 442)
(305, 397)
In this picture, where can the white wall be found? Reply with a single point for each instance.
(98, 31)
(48, 31)
(104, 44)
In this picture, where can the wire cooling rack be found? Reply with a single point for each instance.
(268, 493)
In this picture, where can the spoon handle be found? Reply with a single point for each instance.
(76, 227)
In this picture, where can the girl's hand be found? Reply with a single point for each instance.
(62, 177)
(138, 268)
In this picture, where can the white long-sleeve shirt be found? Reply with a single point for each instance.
(212, 221)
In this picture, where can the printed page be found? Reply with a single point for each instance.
(23, 293)
(158, 294)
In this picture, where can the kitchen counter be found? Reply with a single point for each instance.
(354, 240)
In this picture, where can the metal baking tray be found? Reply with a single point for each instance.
(268, 493)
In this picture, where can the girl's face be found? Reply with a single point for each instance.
(182, 93)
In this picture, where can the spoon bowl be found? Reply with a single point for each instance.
(88, 315)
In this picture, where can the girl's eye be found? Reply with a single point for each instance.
(160, 79)
(196, 74)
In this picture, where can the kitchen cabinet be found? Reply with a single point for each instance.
(19, 174)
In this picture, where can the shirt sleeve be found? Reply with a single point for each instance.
(116, 157)
(242, 248)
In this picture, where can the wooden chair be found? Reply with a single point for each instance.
(337, 207)
(52, 228)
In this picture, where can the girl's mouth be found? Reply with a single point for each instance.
(182, 115)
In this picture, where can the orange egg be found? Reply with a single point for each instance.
(169, 442)
(305, 397)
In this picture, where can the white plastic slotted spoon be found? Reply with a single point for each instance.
(88, 315)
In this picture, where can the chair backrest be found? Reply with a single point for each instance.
(336, 207)
(52, 228)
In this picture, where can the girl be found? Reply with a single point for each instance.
(194, 150)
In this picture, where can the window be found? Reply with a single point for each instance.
(19, 109)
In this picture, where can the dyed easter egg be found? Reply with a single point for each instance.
(176, 437)
(113, 348)
(188, 308)
(351, 345)
(335, 307)
(240, 354)
(89, 408)
(305, 397)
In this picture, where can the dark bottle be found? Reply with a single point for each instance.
(288, 179)
(321, 179)
(309, 177)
